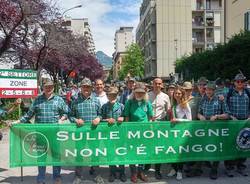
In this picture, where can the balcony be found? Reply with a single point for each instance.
(198, 41)
(198, 20)
(198, 24)
(210, 39)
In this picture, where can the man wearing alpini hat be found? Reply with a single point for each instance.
(86, 108)
(238, 100)
(212, 108)
(47, 108)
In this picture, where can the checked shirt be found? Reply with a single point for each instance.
(46, 110)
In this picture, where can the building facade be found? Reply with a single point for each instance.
(164, 34)
(237, 17)
(170, 29)
(123, 39)
(207, 24)
(81, 27)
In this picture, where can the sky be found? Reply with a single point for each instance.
(105, 17)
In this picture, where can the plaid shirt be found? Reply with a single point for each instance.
(239, 105)
(46, 110)
(86, 109)
(112, 111)
(212, 107)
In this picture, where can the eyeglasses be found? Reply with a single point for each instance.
(239, 81)
(202, 84)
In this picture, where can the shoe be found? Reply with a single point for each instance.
(213, 174)
(99, 180)
(171, 173)
(112, 177)
(77, 181)
(133, 178)
(142, 176)
(242, 172)
(123, 177)
(158, 175)
(179, 176)
(40, 183)
(230, 173)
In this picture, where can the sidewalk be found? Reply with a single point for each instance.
(12, 176)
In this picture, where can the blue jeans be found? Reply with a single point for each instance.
(42, 171)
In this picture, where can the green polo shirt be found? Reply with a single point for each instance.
(139, 111)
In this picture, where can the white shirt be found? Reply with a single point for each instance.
(160, 103)
(102, 98)
(183, 114)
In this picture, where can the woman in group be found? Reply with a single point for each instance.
(138, 109)
(180, 111)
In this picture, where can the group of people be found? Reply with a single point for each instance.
(141, 103)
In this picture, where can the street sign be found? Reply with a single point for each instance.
(18, 83)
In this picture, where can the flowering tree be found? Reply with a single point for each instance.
(33, 29)
(16, 20)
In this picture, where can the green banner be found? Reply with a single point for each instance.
(128, 143)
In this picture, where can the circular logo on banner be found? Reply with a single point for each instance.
(243, 139)
(35, 144)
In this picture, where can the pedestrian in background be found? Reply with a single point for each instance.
(126, 92)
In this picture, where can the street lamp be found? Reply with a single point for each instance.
(78, 6)
(176, 47)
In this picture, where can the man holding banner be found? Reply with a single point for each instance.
(47, 108)
(211, 108)
(85, 109)
(160, 103)
(138, 109)
(238, 100)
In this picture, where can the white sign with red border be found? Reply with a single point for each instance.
(18, 83)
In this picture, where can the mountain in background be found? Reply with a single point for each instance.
(104, 59)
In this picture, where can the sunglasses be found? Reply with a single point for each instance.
(239, 81)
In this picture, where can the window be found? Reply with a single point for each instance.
(247, 21)
(208, 4)
(220, 3)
